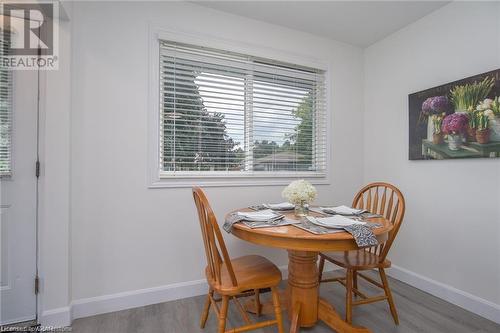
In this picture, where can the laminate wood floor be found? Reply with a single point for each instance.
(418, 312)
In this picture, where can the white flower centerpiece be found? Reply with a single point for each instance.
(300, 193)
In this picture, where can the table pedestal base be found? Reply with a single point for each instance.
(331, 318)
(303, 287)
(301, 299)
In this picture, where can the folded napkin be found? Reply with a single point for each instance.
(336, 221)
(272, 223)
(230, 220)
(360, 231)
(259, 216)
(343, 210)
(280, 206)
(277, 206)
(362, 234)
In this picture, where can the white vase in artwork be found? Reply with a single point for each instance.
(495, 128)
(430, 129)
(454, 141)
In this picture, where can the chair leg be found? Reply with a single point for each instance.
(388, 293)
(223, 314)
(277, 309)
(258, 306)
(348, 296)
(206, 309)
(320, 268)
(355, 281)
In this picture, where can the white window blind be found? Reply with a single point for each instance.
(234, 114)
(5, 107)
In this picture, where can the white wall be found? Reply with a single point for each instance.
(125, 236)
(451, 232)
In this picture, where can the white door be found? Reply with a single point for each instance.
(18, 198)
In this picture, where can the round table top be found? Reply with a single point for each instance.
(293, 238)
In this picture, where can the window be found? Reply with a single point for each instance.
(223, 113)
(5, 107)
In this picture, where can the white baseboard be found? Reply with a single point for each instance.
(60, 317)
(110, 303)
(131, 299)
(469, 302)
(17, 320)
(121, 301)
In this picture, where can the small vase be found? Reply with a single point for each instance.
(483, 136)
(437, 138)
(430, 129)
(301, 209)
(454, 141)
(471, 134)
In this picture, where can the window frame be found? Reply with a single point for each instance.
(253, 178)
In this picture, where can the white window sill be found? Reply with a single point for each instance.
(180, 181)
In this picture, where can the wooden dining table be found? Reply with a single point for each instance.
(301, 297)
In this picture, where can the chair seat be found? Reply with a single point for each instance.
(252, 272)
(356, 260)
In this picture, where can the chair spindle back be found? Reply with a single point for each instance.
(215, 248)
(386, 200)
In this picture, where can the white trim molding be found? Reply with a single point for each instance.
(60, 317)
(17, 320)
(131, 299)
(469, 302)
(87, 307)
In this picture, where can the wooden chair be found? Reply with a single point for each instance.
(233, 278)
(378, 198)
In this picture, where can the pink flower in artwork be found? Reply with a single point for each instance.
(440, 104)
(436, 104)
(455, 123)
(427, 106)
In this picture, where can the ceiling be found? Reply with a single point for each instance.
(360, 23)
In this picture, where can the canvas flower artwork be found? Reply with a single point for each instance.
(460, 119)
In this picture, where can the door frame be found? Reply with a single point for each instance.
(41, 132)
(37, 219)
(54, 267)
